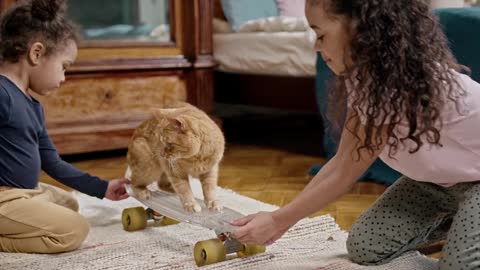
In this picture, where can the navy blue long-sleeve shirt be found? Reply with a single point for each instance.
(26, 149)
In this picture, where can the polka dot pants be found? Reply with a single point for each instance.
(411, 214)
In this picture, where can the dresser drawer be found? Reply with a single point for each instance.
(110, 98)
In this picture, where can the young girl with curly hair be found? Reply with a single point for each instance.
(37, 45)
(408, 102)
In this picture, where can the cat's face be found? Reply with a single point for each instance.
(177, 136)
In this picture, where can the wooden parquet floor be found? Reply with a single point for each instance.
(261, 168)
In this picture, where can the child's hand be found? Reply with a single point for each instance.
(258, 229)
(116, 189)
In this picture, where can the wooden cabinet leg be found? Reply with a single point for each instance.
(200, 91)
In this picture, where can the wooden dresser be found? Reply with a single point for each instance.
(113, 84)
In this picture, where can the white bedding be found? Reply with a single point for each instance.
(268, 46)
(276, 53)
(275, 24)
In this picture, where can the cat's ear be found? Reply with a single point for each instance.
(170, 117)
(162, 114)
(177, 123)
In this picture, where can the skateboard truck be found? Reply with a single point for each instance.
(216, 249)
(158, 218)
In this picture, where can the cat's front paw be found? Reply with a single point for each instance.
(192, 207)
(143, 193)
(213, 205)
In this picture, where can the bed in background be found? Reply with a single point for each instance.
(265, 58)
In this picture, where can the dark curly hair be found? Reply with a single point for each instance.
(34, 20)
(402, 71)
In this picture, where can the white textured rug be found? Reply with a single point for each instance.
(308, 245)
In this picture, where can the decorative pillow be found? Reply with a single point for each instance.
(239, 12)
(292, 8)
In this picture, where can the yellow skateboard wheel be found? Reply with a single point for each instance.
(209, 252)
(134, 219)
(250, 250)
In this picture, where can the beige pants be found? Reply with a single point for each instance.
(42, 220)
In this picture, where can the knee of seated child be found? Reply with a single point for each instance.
(79, 233)
(361, 251)
(71, 236)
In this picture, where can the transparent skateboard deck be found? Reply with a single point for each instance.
(169, 205)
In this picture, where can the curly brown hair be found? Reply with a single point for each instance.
(402, 71)
(43, 20)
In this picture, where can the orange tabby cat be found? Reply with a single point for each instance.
(175, 143)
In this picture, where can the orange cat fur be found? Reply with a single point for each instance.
(173, 144)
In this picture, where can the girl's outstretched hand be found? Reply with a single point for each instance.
(258, 229)
(116, 189)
